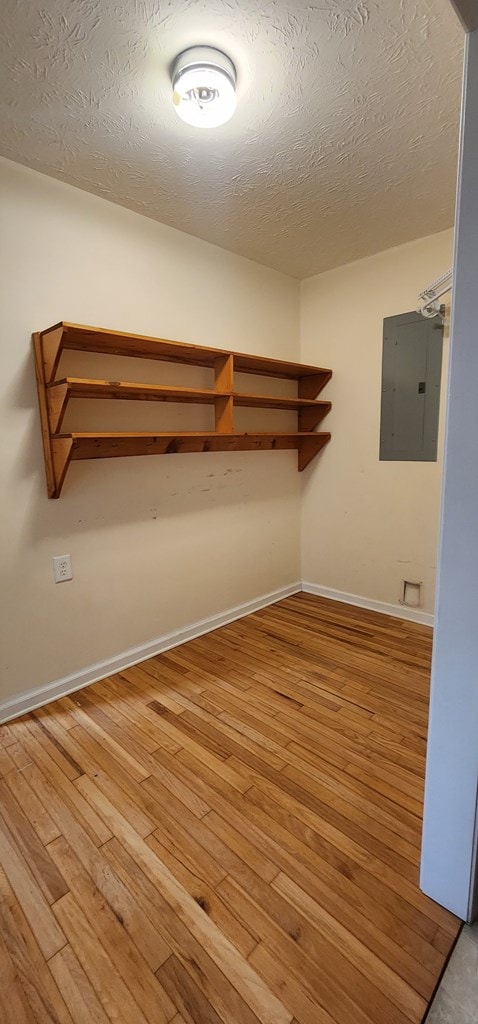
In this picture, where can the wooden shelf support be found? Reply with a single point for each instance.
(311, 385)
(51, 343)
(312, 415)
(309, 448)
(57, 398)
(224, 382)
(62, 453)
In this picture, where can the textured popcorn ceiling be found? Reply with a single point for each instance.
(344, 141)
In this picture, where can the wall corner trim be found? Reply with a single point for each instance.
(398, 611)
(31, 699)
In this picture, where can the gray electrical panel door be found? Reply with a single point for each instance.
(411, 373)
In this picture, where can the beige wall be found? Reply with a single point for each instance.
(366, 524)
(156, 543)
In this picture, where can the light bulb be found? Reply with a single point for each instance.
(204, 87)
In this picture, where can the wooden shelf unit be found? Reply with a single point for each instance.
(55, 393)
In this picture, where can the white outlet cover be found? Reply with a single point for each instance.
(62, 570)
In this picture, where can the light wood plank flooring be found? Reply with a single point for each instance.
(226, 833)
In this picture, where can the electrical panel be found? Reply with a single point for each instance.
(411, 377)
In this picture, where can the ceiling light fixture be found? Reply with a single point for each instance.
(204, 87)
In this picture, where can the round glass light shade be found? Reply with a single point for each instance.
(204, 87)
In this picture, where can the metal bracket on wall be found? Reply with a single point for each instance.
(429, 305)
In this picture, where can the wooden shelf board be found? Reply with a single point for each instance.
(83, 387)
(58, 394)
(265, 367)
(66, 448)
(98, 445)
(278, 402)
(95, 339)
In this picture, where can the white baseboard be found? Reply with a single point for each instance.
(398, 611)
(32, 699)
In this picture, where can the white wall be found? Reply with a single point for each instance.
(367, 524)
(156, 543)
(449, 870)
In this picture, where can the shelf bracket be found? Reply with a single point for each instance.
(57, 400)
(51, 346)
(44, 418)
(309, 386)
(309, 447)
(310, 418)
(61, 450)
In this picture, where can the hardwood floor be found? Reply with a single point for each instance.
(227, 833)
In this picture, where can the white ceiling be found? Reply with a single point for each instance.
(343, 143)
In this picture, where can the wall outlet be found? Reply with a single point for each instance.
(62, 568)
